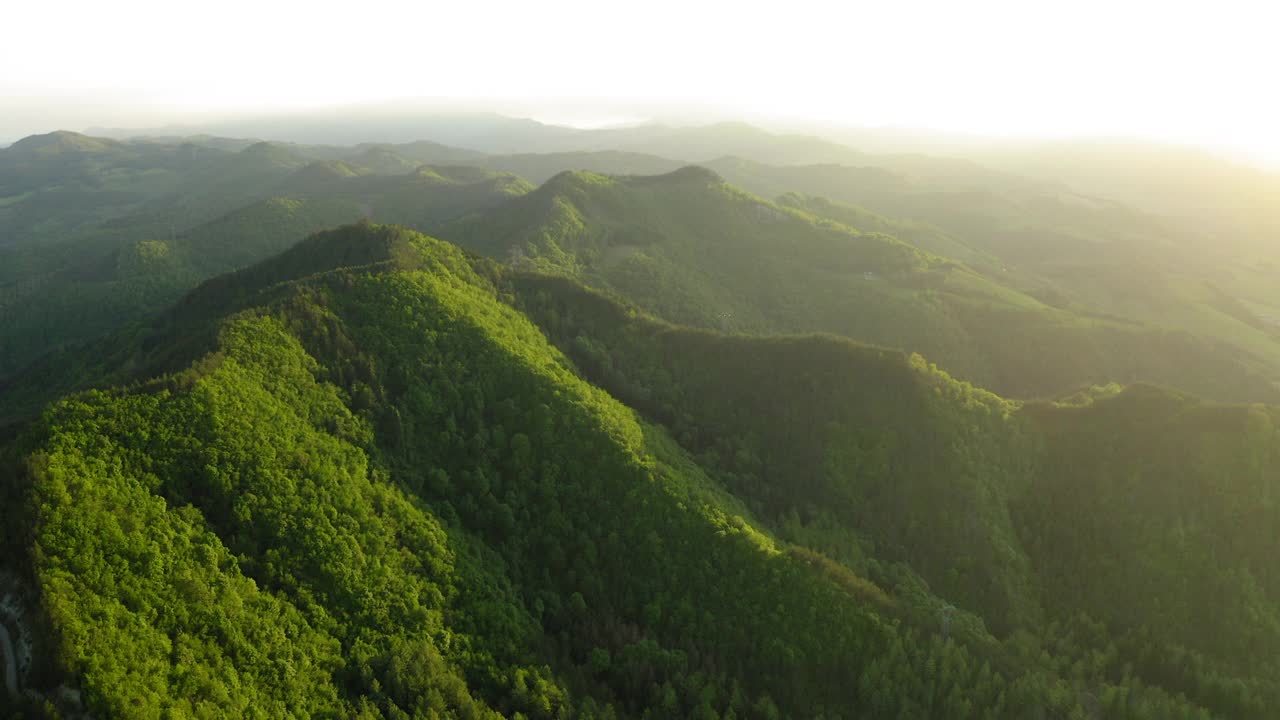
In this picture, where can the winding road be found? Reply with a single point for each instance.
(10, 662)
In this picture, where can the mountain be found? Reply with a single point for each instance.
(695, 250)
(1135, 519)
(1163, 236)
(707, 142)
(1109, 279)
(1026, 224)
(538, 168)
(136, 265)
(52, 185)
(419, 152)
(478, 131)
(63, 187)
(799, 432)
(923, 235)
(1194, 186)
(60, 143)
(1079, 252)
(368, 484)
(494, 134)
(67, 200)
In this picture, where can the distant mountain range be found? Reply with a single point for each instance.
(77, 212)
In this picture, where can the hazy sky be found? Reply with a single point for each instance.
(1201, 72)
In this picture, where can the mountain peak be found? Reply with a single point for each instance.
(273, 152)
(360, 245)
(691, 174)
(579, 179)
(575, 179)
(325, 170)
(60, 141)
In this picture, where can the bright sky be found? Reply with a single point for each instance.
(1202, 72)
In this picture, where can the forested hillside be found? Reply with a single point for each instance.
(1080, 249)
(795, 432)
(367, 483)
(202, 210)
(1155, 235)
(1024, 287)
(1135, 522)
(693, 249)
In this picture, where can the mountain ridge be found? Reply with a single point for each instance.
(695, 249)
(415, 407)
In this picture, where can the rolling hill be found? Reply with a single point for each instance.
(366, 483)
(1136, 519)
(127, 268)
(802, 432)
(1081, 252)
(693, 249)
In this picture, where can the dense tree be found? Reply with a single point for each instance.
(378, 477)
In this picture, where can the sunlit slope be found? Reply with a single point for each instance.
(382, 493)
(1125, 532)
(692, 249)
(923, 235)
(1155, 236)
(820, 432)
(1186, 268)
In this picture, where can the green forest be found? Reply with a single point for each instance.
(389, 431)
